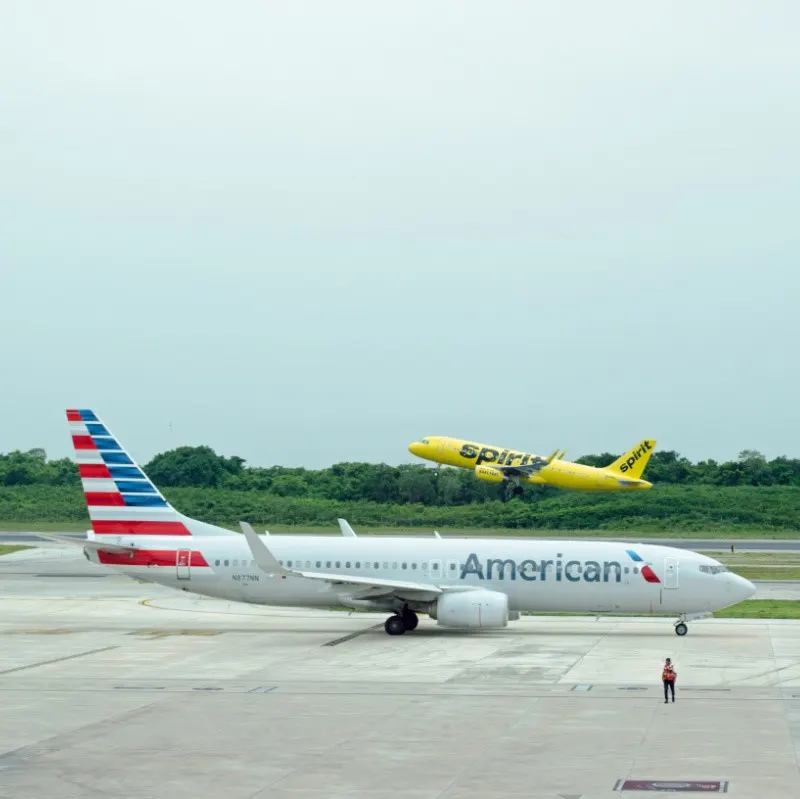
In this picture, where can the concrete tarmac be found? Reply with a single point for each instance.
(113, 688)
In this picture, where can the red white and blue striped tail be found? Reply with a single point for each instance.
(121, 499)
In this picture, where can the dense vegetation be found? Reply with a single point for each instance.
(201, 467)
(750, 493)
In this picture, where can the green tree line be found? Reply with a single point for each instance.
(201, 467)
(773, 509)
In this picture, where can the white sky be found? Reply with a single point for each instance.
(313, 232)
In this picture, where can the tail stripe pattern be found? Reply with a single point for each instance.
(120, 498)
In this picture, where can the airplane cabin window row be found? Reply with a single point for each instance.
(451, 565)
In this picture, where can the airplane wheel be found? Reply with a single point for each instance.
(395, 625)
(681, 629)
(411, 620)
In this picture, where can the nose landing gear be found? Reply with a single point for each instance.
(681, 627)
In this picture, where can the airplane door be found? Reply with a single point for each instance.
(670, 573)
(435, 569)
(182, 560)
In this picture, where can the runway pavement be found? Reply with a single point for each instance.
(115, 688)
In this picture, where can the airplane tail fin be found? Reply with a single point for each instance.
(632, 463)
(120, 497)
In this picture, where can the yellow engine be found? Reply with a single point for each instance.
(489, 474)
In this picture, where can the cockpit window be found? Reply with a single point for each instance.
(716, 569)
(425, 441)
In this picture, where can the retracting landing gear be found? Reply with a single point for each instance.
(513, 489)
(404, 621)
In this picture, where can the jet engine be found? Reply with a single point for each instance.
(489, 474)
(472, 610)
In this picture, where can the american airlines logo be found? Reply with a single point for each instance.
(574, 571)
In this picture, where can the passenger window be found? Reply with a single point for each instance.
(453, 567)
(394, 565)
(216, 563)
(327, 564)
(358, 564)
(405, 565)
(338, 564)
(319, 564)
(236, 563)
(376, 565)
(347, 564)
(413, 565)
(636, 570)
(385, 565)
(227, 562)
(288, 563)
(424, 566)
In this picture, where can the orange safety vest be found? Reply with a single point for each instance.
(668, 673)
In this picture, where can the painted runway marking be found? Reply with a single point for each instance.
(59, 660)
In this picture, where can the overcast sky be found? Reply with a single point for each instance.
(306, 233)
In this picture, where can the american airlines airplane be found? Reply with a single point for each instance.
(466, 583)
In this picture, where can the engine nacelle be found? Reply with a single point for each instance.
(472, 610)
(489, 474)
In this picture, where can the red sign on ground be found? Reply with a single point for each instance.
(672, 786)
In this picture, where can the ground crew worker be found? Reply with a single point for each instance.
(668, 676)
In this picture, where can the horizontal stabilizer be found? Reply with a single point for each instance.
(85, 543)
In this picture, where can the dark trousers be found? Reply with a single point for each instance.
(669, 685)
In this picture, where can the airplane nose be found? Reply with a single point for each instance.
(415, 448)
(740, 587)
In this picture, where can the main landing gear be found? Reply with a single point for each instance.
(513, 490)
(401, 622)
(681, 628)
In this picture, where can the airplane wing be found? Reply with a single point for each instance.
(345, 528)
(86, 543)
(267, 562)
(536, 464)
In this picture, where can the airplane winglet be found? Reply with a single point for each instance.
(346, 529)
(264, 559)
(436, 534)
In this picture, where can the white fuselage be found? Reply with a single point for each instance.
(537, 575)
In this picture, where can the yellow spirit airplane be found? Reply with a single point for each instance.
(497, 465)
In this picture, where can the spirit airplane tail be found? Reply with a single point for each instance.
(121, 499)
(632, 463)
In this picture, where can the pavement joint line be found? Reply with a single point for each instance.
(59, 660)
(351, 636)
